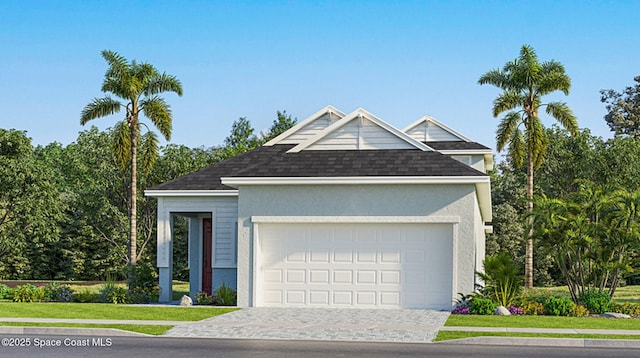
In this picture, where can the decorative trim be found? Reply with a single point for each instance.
(233, 181)
(356, 219)
(328, 109)
(428, 118)
(159, 193)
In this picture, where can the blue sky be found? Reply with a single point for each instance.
(398, 59)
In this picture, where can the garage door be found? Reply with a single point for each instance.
(355, 265)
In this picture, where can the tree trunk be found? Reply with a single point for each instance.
(528, 266)
(133, 259)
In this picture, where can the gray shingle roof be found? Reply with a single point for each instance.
(274, 161)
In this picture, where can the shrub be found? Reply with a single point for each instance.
(461, 309)
(85, 295)
(5, 291)
(25, 293)
(516, 311)
(632, 309)
(579, 311)
(558, 306)
(112, 293)
(226, 296)
(204, 298)
(595, 301)
(482, 306)
(143, 283)
(503, 283)
(533, 308)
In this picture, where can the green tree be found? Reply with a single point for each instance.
(623, 109)
(138, 84)
(524, 81)
(241, 139)
(280, 125)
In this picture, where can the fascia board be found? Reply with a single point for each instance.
(466, 151)
(428, 118)
(303, 123)
(234, 181)
(483, 190)
(159, 193)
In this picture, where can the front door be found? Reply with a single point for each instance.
(206, 255)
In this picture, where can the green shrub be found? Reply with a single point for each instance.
(25, 293)
(5, 292)
(114, 294)
(226, 296)
(595, 301)
(533, 308)
(558, 306)
(482, 306)
(204, 298)
(85, 295)
(143, 283)
(502, 280)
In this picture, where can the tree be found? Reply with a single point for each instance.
(138, 84)
(623, 109)
(280, 125)
(240, 140)
(524, 81)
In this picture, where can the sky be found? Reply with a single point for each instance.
(399, 60)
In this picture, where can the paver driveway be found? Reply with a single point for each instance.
(319, 324)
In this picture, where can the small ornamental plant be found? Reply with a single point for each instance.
(516, 311)
(461, 309)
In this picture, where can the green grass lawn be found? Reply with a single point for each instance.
(448, 335)
(623, 294)
(542, 322)
(108, 311)
(145, 329)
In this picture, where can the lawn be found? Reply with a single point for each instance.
(144, 329)
(108, 311)
(542, 322)
(448, 335)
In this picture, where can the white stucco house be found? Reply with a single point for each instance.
(342, 210)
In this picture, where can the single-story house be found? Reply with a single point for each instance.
(341, 210)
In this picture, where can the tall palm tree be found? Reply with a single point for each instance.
(524, 81)
(138, 85)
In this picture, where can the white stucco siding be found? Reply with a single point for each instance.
(480, 238)
(358, 200)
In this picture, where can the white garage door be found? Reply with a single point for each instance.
(355, 265)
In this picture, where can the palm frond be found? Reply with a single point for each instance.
(99, 107)
(148, 150)
(517, 148)
(506, 128)
(536, 140)
(564, 115)
(159, 112)
(163, 83)
(494, 77)
(121, 144)
(506, 101)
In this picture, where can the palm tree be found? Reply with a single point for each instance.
(524, 81)
(138, 85)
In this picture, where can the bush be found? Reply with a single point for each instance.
(516, 311)
(204, 298)
(595, 301)
(5, 291)
(632, 309)
(85, 295)
(533, 309)
(503, 283)
(579, 311)
(143, 284)
(25, 293)
(461, 309)
(112, 293)
(482, 306)
(226, 296)
(558, 306)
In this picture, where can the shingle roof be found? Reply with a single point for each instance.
(274, 161)
(455, 145)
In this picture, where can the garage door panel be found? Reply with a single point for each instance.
(355, 265)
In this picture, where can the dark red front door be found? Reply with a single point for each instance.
(206, 255)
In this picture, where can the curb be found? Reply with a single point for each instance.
(547, 342)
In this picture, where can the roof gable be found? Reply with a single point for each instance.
(360, 130)
(428, 129)
(309, 126)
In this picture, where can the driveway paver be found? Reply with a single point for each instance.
(366, 325)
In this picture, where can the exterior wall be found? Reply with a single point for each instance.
(311, 129)
(474, 161)
(480, 238)
(360, 134)
(428, 131)
(224, 211)
(358, 200)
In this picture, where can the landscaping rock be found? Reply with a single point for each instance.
(502, 311)
(186, 301)
(615, 315)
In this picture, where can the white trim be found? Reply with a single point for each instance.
(356, 219)
(488, 229)
(159, 193)
(256, 272)
(466, 151)
(328, 109)
(428, 118)
(354, 180)
(359, 113)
